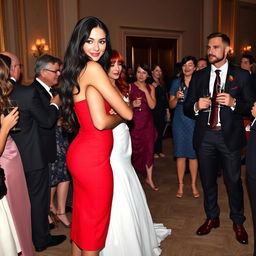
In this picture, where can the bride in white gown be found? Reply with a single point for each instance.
(131, 230)
(9, 242)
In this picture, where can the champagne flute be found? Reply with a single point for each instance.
(207, 95)
(182, 88)
(220, 89)
(139, 98)
(13, 104)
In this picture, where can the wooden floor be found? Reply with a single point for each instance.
(183, 216)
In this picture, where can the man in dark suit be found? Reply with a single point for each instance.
(251, 171)
(32, 115)
(219, 131)
(47, 72)
(246, 63)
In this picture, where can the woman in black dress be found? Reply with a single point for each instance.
(161, 111)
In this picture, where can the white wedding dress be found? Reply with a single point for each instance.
(9, 242)
(131, 230)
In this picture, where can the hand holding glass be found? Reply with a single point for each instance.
(206, 95)
(13, 104)
(138, 103)
(182, 89)
(220, 89)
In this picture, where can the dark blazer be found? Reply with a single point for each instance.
(251, 155)
(251, 176)
(238, 85)
(253, 76)
(48, 134)
(31, 116)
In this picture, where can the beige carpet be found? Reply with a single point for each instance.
(183, 216)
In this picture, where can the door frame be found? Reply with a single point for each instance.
(150, 32)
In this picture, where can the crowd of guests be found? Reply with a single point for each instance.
(118, 119)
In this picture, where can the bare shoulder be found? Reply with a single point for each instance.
(93, 66)
(91, 73)
(152, 88)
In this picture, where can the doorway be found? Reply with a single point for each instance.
(149, 50)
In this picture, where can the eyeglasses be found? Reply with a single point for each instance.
(53, 71)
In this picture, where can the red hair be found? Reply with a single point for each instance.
(121, 81)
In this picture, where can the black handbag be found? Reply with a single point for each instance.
(3, 188)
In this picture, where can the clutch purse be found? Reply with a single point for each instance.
(3, 188)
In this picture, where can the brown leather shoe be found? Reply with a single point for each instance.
(207, 226)
(241, 234)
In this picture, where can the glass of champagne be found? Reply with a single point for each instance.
(13, 104)
(139, 98)
(207, 95)
(182, 88)
(220, 89)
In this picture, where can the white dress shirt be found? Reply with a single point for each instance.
(223, 75)
(47, 88)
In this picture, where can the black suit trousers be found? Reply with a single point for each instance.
(251, 176)
(212, 150)
(38, 182)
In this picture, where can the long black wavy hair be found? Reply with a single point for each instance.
(75, 60)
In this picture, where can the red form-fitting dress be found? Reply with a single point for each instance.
(88, 160)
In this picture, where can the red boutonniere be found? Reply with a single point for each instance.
(230, 78)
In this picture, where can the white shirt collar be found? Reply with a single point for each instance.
(46, 87)
(223, 68)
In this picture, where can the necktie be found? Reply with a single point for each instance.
(215, 106)
(53, 92)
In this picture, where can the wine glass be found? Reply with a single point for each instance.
(139, 108)
(182, 88)
(207, 95)
(13, 104)
(220, 89)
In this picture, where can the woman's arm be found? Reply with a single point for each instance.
(151, 97)
(175, 94)
(173, 100)
(7, 122)
(95, 76)
(100, 118)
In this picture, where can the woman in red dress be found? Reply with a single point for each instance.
(86, 93)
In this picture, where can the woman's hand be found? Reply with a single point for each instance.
(112, 112)
(179, 94)
(10, 120)
(136, 103)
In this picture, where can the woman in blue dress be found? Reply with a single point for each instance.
(183, 127)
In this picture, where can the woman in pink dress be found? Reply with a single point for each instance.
(10, 161)
(143, 132)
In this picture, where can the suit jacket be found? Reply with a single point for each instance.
(251, 156)
(238, 85)
(31, 115)
(48, 134)
(253, 76)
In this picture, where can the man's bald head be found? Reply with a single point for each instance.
(15, 65)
